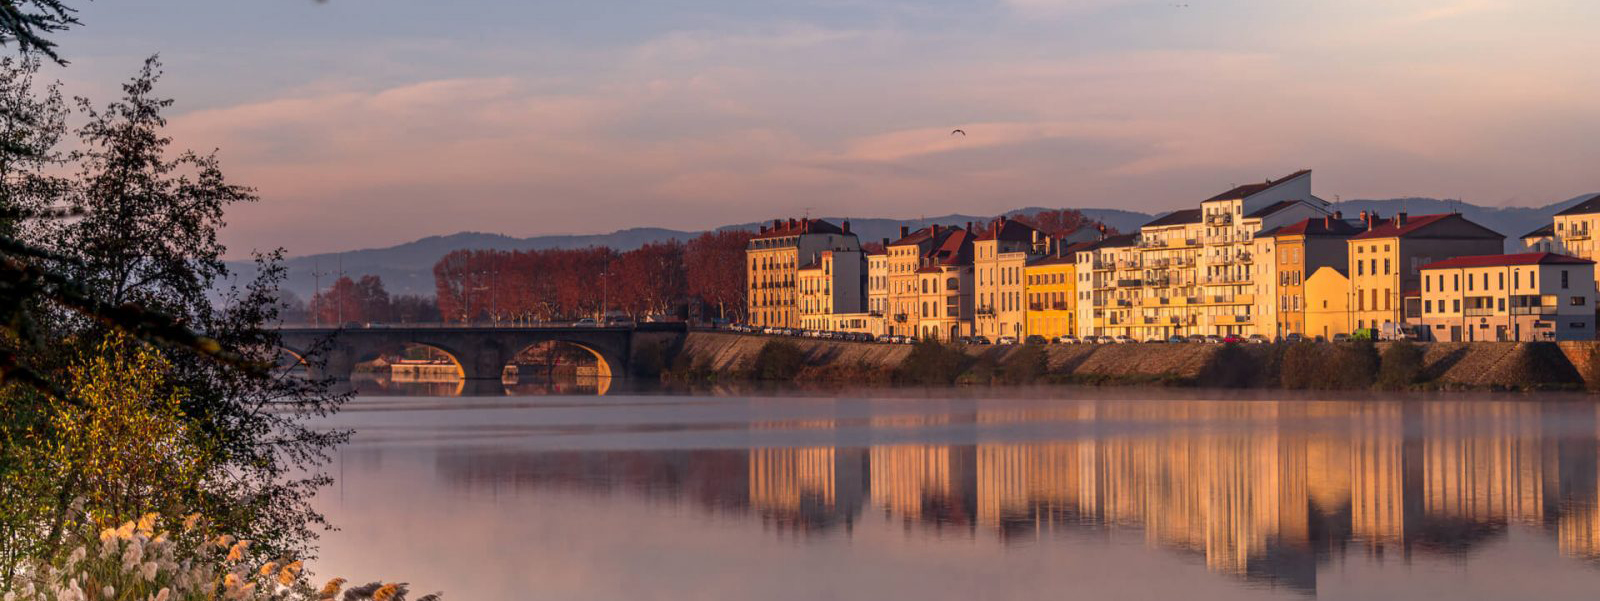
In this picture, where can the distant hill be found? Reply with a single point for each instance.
(408, 268)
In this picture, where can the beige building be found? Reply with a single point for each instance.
(1327, 311)
(1192, 271)
(1299, 250)
(1385, 264)
(1528, 297)
(773, 260)
(905, 257)
(829, 285)
(1572, 232)
(1000, 255)
(877, 289)
(945, 284)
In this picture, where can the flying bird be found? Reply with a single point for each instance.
(957, 131)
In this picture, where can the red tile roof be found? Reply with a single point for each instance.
(1249, 190)
(1390, 228)
(1009, 230)
(795, 227)
(1504, 260)
(1316, 227)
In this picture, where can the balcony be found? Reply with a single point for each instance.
(1122, 302)
(900, 317)
(1480, 312)
(1129, 283)
(1103, 265)
(1220, 219)
(1241, 318)
(1541, 311)
(1059, 306)
(1577, 235)
(1035, 306)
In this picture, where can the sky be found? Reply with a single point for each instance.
(367, 123)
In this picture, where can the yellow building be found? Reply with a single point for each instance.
(1301, 249)
(945, 288)
(1386, 259)
(830, 284)
(773, 260)
(1571, 232)
(999, 256)
(1052, 296)
(1327, 299)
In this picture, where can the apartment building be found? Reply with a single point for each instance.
(773, 259)
(877, 290)
(1573, 231)
(1385, 264)
(1052, 295)
(1193, 271)
(1231, 221)
(830, 284)
(905, 257)
(1000, 254)
(1526, 297)
(1299, 250)
(945, 284)
(1108, 285)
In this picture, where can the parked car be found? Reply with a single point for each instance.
(1036, 339)
(908, 340)
(1341, 337)
(1155, 340)
(1006, 340)
(1257, 339)
(981, 340)
(1068, 340)
(1198, 339)
(1232, 339)
(1294, 337)
(1125, 339)
(588, 321)
(1213, 339)
(1177, 340)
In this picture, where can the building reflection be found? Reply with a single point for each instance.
(1261, 490)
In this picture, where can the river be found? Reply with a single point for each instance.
(1022, 493)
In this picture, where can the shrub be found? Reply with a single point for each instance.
(1300, 366)
(778, 360)
(1230, 367)
(1354, 365)
(1024, 365)
(1401, 366)
(931, 363)
(139, 560)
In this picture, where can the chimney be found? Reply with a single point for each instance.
(904, 231)
(969, 226)
(935, 230)
(792, 222)
(777, 224)
(1400, 219)
(1338, 214)
(1364, 218)
(847, 226)
(885, 244)
(1327, 222)
(763, 228)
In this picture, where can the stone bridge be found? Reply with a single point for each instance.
(482, 352)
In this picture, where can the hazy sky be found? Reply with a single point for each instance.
(371, 122)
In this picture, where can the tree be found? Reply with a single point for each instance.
(714, 270)
(650, 279)
(413, 308)
(1057, 222)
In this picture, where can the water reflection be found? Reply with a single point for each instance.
(1265, 492)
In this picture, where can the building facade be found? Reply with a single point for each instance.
(1299, 250)
(1000, 254)
(830, 285)
(877, 290)
(1327, 313)
(772, 266)
(1526, 297)
(945, 284)
(1052, 296)
(1385, 264)
(906, 257)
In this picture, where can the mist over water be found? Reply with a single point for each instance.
(988, 493)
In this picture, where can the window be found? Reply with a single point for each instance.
(1502, 304)
(1578, 301)
(1502, 281)
(1427, 284)
(1386, 267)
(1458, 282)
(1563, 279)
(1455, 306)
(1361, 268)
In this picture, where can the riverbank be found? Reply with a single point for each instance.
(1436, 366)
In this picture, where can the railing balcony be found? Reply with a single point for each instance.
(1059, 306)
(1578, 235)
(1150, 321)
(1480, 312)
(1102, 265)
(1035, 306)
(1129, 283)
(1191, 242)
(1533, 310)
(1241, 319)
(1221, 219)
(1122, 302)
(900, 317)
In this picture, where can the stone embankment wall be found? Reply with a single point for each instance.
(1479, 365)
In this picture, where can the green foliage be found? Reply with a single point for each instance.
(1401, 366)
(932, 363)
(778, 360)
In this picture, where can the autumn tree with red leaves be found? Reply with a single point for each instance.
(714, 270)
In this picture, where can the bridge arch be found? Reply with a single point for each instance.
(373, 352)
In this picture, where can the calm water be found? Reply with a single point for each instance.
(1009, 494)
